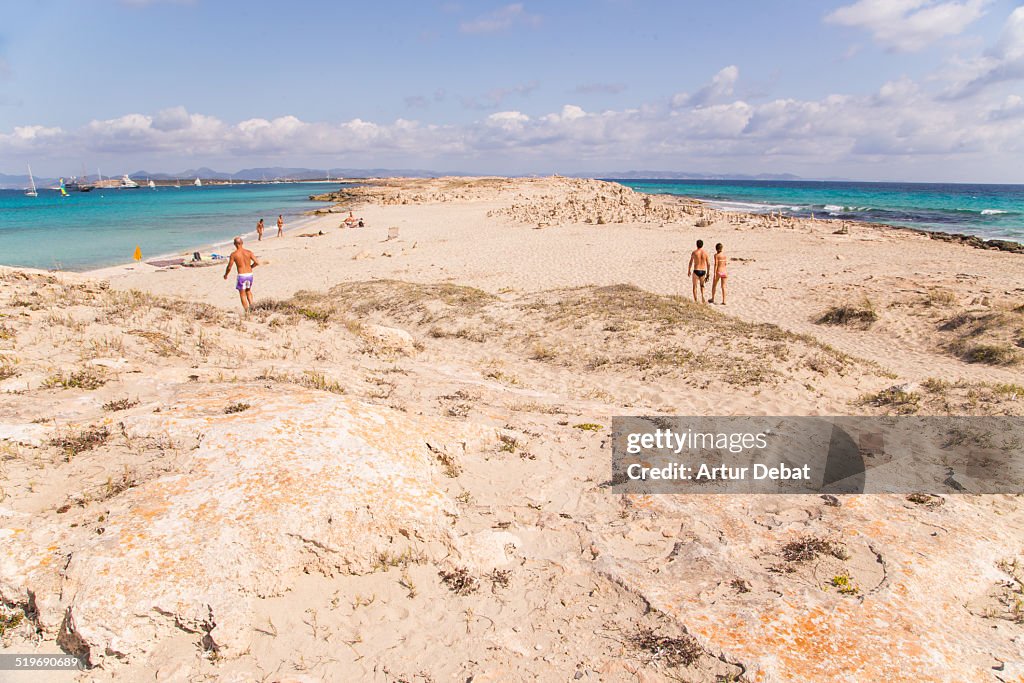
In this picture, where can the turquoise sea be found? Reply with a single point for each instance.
(87, 230)
(989, 211)
(100, 228)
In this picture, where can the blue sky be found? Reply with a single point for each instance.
(867, 89)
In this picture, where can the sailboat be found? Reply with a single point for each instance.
(152, 185)
(198, 183)
(32, 192)
(84, 186)
(177, 183)
(61, 189)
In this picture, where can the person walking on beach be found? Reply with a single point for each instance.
(698, 270)
(244, 261)
(280, 225)
(259, 230)
(721, 260)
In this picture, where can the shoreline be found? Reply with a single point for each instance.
(312, 215)
(975, 241)
(303, 222)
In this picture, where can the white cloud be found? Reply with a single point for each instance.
(898, 126)
(508, 120)
(909, 25)
(720, 88)
(1011, 108)
(1003, 62)
(501, 19)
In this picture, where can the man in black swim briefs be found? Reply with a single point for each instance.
(698, 270)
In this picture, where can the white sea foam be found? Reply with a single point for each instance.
(751, 207)
(991, 212)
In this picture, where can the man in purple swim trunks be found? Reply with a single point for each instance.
(244, 261)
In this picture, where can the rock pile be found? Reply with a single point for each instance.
(592, 201)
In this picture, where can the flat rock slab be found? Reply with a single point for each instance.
(913, 572)
(300, 480)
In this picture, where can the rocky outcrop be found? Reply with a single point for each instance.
(592, 201)
(289, 480)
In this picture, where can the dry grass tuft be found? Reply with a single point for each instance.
(120, 404)
(88, 379)
(75, 442)
(992, 337)
(673, 652)
(898, 399)
(809, 548)
(7, 369)
(459, 581)
(940, 298)
(990, 354)
(863, 315)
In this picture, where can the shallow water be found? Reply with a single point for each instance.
(88, 230)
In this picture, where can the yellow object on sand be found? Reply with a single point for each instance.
(138, 253)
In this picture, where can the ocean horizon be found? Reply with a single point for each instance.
(85, 231)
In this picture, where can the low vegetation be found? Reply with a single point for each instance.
(7, 369)
(899, 400)
(669, 651)
(10, 619)
(994, 336)
(861, 315)
(809, 548)
(88, 379)
(78, 441)
(844, 585)
(120, 404)
(459, 581)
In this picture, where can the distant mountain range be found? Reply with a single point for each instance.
(680, 175)
(268, 173)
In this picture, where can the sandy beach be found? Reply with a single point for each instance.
(396, 468)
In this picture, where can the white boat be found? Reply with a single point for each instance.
(152, 185)
(198, 183)
(127, 183)
(32, 192)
